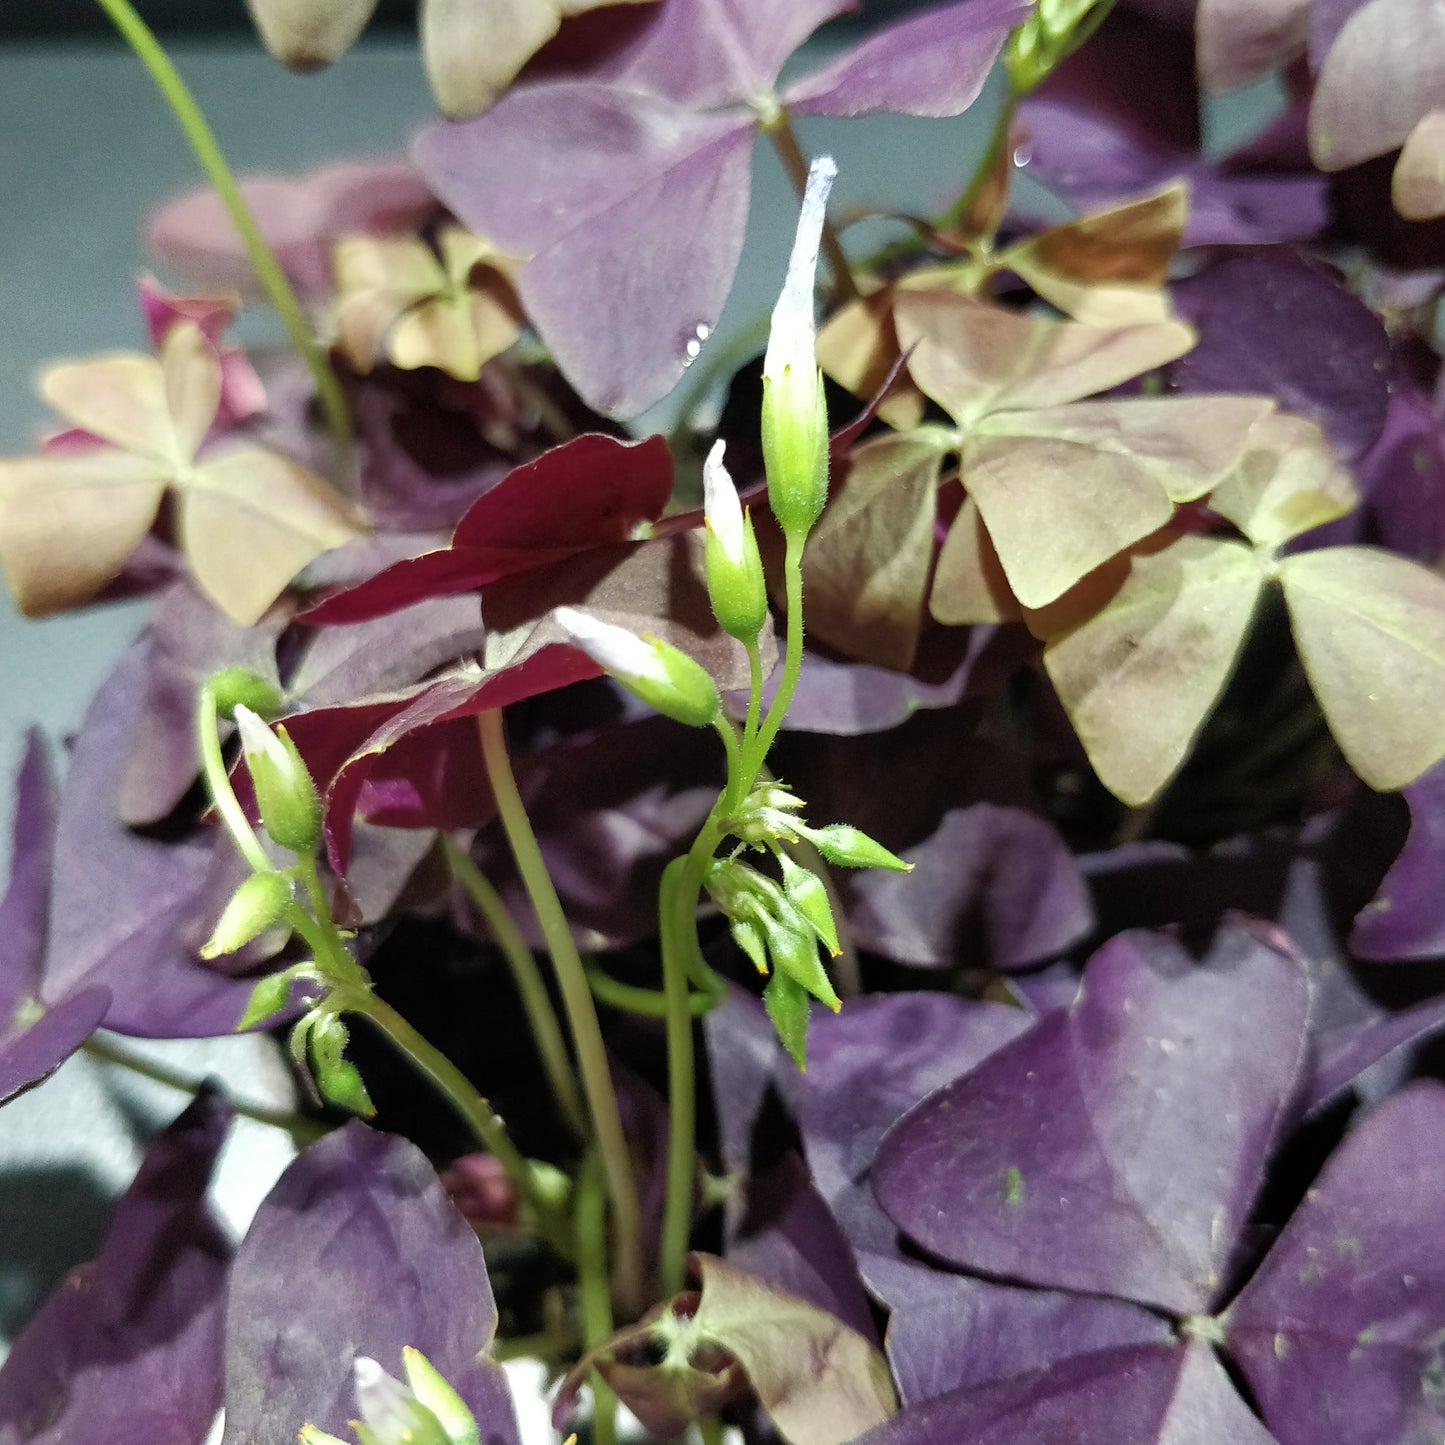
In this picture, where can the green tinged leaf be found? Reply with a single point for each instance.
(852, 848)
(1138, 677)
(339, 1080)
(969, 584)
(1288, 481)
(1370, 629)
(786, 1001)
(821, 1382)
(865, 571)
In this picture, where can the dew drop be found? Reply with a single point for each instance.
(1023, 155)
(693, 340)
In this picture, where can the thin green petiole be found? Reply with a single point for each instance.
(755, 753)
(152, 55)
(646, 1002)
(302, 1129)
(591, 1227)
(577, 1000)
(755, 689)
(528, 977)
(675, 915)
(213, 765)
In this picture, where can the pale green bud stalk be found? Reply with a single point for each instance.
(661, 675)
(735, 584)
(254, 907)
(286, 797)
(795, 415)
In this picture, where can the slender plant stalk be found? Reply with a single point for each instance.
(591, 1224)
(756, 753)
(755, 689)
(213, 765)
(779, 130)
(536, 1002)
(646, 1002)
(577, 1000)
(152, 55)
(998, 141)
(302, 1129)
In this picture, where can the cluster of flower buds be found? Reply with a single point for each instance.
(425, 1410)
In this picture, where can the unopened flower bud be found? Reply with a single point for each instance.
(234, 687)
(306, 34)
(734, 565)
(390, 1411)
(795, 416)
(661, 675)
(254, 907)
(286, 797)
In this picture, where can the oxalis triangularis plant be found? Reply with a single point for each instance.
(1008, 1014)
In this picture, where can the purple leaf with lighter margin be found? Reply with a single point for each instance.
(951, 1332)
(299, 216)
(1175, 1394)
(127, 1351)
(35, 1038)
(1276, 324)
(1339, 1332)
(1116, 1147)
(1406, 918)
(1383, 75)
(628, 278)
(993, 887)
(1120, 117)
(384, 1261)
(870, 1064)
(123, 911)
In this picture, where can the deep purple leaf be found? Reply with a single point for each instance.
(23, 911)
(1402, 477)
(592, 491)
(870, 1064)
(188, 639)
(950, 1332)
(1339, 1331)
(356, 1251)
(1274, 324)
(628, 277)
(1341, 1058)
(993, 887)
(787, 1237)
(932, 64)
(128, 1350)
(1406, 919)
(1116, 1147)
(1142, 1395)
(708, 53)
(30, 1051)
(123, 911)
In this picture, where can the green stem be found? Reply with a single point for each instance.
(756, 754)
(779, 130)
(647, 1002)
(755, 690)
(577, 1000)
(591, 1226)
(213, 765)
(953, 218)
(536, 1002)
(263, 260)
(454, 1086)
(302, 1129)
(710, 1430)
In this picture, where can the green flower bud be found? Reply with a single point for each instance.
(794, 413)
(424, 1411)
(434, 1392)
(254, 907)
(852, 847)
(285, 795)
(805, 891)
(787, 1004)
(661, 675)
(234, 687)
(338, 1079)
(270, 995)
(735, 584)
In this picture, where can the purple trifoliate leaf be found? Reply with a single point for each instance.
(38, 1039)
(1406, 918)
(933, 64)
(128, 1351)
(1339, 1332)
(708, 53)
(995, 887)
(628, 277)
(22, 913)
(950, 1332)
(356, 1251)
(1116, 1147)
(1402, 477)
(123, 911)
(1272, 323)
(1174, 1394)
